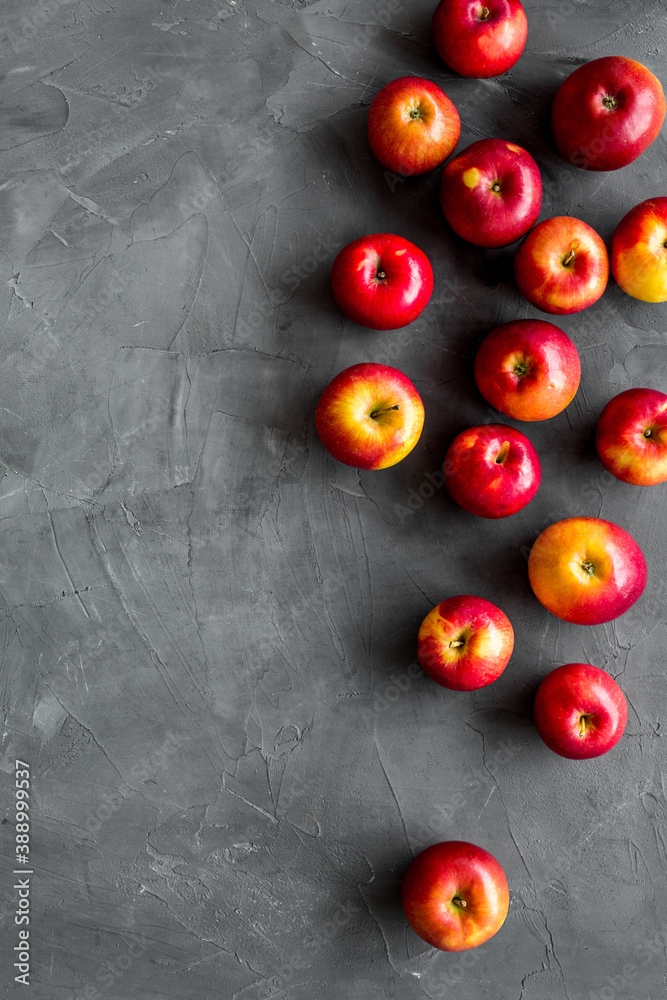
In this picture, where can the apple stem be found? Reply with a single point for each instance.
(459, 901)
(455, 643)
(582, 725)
(485, 13)
(648, 432)
(609, 102)
(381, 275)
(378, 413)
(495, 187)
(503, 453)
(569, 257)
(588, 567)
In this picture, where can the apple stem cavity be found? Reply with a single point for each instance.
(495, 187)
(588, 567)
(503, 453)
(483, 16)
(648, 432)
(521, 368)
(583, 725)
(378, 413)
(459, 902)
(609, 102)
(381, 275)
(568, 259)
(455, 643)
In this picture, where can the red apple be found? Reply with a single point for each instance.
(586, 570)
(631, 437)
(491, 193)
(455, 895)
(639, 251)
(465, 643)
(382, 281)
(607, 112)
(481, 38)
(492, 470)
(528, 369)
(412, 126)
(562, 266)
(370, 416)
(580, 711)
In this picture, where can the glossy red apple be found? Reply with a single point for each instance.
(607, 112)
(479, 39)
(631, 437)
(580, 711)
(412, 126)
(562, 266)
(492, 470)
(586, 570)
(370, 416)
(455, 895)
(491, 193)
(382, 281)
(528, 369)
(639, 251)
(465, 643)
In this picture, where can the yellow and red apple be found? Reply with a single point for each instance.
(370, 416)
(580, 711)
(631, 437)
(528, 369)
(465, 643)
(607, 112)
(412, 126)
(586, 570)
(492, 470)
(562, 266)
(491, 193)
(639, 251)
(455, 895)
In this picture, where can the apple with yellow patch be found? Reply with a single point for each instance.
(491, 193)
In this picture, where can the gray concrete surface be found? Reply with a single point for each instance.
(208, 625)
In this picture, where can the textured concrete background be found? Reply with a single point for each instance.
(209, 625)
